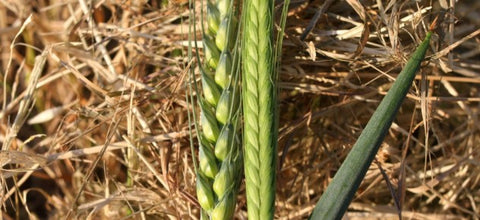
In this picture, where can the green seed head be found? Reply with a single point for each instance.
(224, 142)
(213, 18)
(224, 179)
(224, 208)
(209, 125)
(226, 33)
(224, 68)
(212, 54)
(211, 92)
(206, 157)
(204, 193)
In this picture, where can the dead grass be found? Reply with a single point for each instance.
(103, 131)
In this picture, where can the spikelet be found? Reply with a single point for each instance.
(227, 103)
(206, 157)
(224, 142)
(224, 208)
(212, 54)
(222, 73)
(224, 179)
(211, 91)
(209, 125)
(204, 192)
(213, 18)
(226, 34)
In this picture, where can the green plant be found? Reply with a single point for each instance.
(220, 155)
(260, 61)
(259, 108)
(335, 200)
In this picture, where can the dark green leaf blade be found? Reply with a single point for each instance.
(340, 192)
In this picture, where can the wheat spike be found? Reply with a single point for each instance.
(220, 156)
(259, 109)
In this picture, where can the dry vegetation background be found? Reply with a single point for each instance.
(97, 126)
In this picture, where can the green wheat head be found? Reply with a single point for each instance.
(220, 155)
(259, 108)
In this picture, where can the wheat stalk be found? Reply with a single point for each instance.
(220, 157)
(259, 97)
